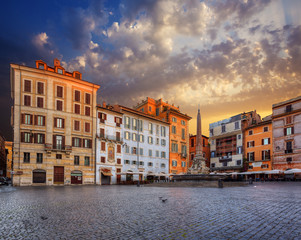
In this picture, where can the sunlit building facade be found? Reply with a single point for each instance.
(54, 125)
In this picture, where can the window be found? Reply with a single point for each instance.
(289, 159)
(174, 147)
(174, 163)
(118, 148)
(251, 132)
(88, 98)
(150, 128)
(102, 159)
(173, 119)
(239, 136)
(60, 71)
(59, 91)
(163, 154)
(39, 157)
(238, 162)
(28, 119)
(163, 131)
(87, 161)
(140, 125)
(163, 165)
(211, 132)
(150, 140)
(225, 164)
(150, 152)
(223, 128)
(26, 138)
(26, 157)
(265, 129)
(87, 143)
(126, 161)
(127, 121)
(213, 165)
(184, 150)
(174, 129)
(118, 121)
(150, 108)
(236, 125)
(40, 89)
(141, 163)
(250, 144)
(141, 138)
(87, 127)
(157, 129)
(239, 150)
(157, 111)
(127, 149)
(288, 131)
(59, 122)
(127, 135)
(183, 164)
(118, 160)
(103, 146)
(134, 137)
(27, 86)
(265, 166)
(163, 142)
(59, 105)
(87, 111)
(150, 164)
(203, 142)
(265, 141)
(266, 155)
(58, 156)
(76, 160)
(40, 102)
(288, 108)
(77, 96)
(157, 153)
(289, 147)
(76, 125)
(134, 124)
(134, 162)
(142, 109)
(77, 108)
(141, 151)
(76, 142)
(212, 142)
(183, 122)
(102, 117)
(39, 138)
(250, 167)
(41, 66)
(27, 100)
(40, 120)
(251, 157)
(118, 136)
(289, 120)
(157, 141)
(58, 142)
(134, 150)
(192, 142)
(183, 133)
(102, 132)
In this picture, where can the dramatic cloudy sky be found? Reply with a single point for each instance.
(228, 56)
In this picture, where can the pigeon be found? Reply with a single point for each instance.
(164, 200)
(44, 218)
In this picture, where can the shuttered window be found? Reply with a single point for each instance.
(87, 111)
(88, 98)
(103, 146)
(77, 108)
(118, 148)
(59, 91)
(27, 86)
(76, 125)
(40, 88)
(77, 96)
(87, 127)
(40, 102)
(27, 100)
(103, 159)
(59, 105)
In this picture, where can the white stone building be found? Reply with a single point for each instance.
(109, 142)
(146, 146)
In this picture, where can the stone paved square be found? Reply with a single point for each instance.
(259, 211)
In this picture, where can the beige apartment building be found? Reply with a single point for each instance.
(54, 124)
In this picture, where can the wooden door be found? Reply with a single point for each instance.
(58, 175)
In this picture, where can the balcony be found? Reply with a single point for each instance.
(109, 138)
(225, 158)
(57, 148)
(288, 151)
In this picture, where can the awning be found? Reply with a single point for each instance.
(107, 173)
(273, 172)
(291, 171)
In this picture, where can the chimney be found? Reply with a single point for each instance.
(116, 108)
(104, 105)
(56, 62)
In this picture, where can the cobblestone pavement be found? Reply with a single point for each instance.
(258, 211)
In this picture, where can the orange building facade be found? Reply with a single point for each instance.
(258, 146)
(179, 131)
(192, 149)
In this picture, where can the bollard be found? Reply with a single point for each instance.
(220, 183)
(250, 181)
